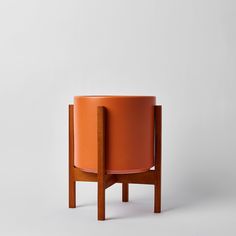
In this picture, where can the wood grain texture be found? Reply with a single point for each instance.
(72, 183)
(125, 192)
(101, 162)
(147, 177)
(157, 139)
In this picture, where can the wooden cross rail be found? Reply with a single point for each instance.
(105, 180)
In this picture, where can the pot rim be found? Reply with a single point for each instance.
(114, 96)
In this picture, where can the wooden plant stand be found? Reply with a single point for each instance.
(105, 180)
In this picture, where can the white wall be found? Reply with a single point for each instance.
(184, 52)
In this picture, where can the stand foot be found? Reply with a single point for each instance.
(125, 192)
(157, 199)
(101, 202)
(72, 194)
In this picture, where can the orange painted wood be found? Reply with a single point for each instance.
(157, 139)
(101, 162)
(125, 192)
(72, 183)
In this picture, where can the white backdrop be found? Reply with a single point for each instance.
(183, 52)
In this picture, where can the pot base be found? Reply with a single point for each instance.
(117, 171)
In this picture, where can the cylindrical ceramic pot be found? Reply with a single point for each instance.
(129, 130)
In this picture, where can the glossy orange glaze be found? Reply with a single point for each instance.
(129, 131)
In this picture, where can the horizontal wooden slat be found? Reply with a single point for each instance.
(80, 175)
(138, 178)
(110, 180)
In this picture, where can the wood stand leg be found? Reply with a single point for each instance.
(72, 182)
(125, 192)
(101, 163)
(157, 185)
(72, 194)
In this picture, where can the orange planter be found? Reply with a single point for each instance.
(130, 132)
